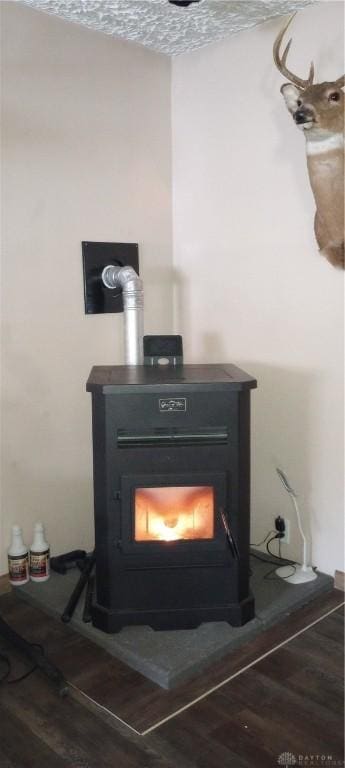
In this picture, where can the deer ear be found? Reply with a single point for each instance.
(291, 95)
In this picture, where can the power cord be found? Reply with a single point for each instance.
(34, 652)
(277, 536)
(7, 661)
(263, 540)
(278, 559)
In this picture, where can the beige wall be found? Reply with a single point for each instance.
(86, 156)
(250, 287)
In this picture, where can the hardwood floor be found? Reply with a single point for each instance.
(130, 696)
(5, 585)
(289, 701)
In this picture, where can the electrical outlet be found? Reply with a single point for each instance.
(286, 535)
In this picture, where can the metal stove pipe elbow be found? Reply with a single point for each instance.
(131, 285)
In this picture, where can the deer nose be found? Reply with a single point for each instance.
(300, 116)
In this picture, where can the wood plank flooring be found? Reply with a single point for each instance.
(125, 692)
(290, 701)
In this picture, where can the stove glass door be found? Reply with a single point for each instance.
(174, 513)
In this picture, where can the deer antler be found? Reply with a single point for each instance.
(280, 61)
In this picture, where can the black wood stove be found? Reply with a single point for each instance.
(171, 490)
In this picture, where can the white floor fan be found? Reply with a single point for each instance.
(302, 573)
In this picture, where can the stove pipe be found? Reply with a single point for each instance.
(127, 279)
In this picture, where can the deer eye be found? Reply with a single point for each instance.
(299, 103)
(334, 96)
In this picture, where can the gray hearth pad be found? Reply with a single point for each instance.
(171, 657)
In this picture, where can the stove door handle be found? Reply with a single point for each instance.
(229, 535)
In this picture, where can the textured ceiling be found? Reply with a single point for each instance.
(164, 27)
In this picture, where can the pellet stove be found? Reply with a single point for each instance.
(171, 493)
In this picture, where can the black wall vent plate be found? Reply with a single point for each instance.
(96, 256)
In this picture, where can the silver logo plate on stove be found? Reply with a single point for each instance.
(168, 404)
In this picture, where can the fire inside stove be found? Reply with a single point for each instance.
(173, 513)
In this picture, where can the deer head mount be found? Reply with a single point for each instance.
(318, 109)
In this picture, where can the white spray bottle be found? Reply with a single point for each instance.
(18, 558)
(39, 555)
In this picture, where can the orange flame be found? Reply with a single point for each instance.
(173, 513)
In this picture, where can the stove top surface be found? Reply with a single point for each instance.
(108, 378)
